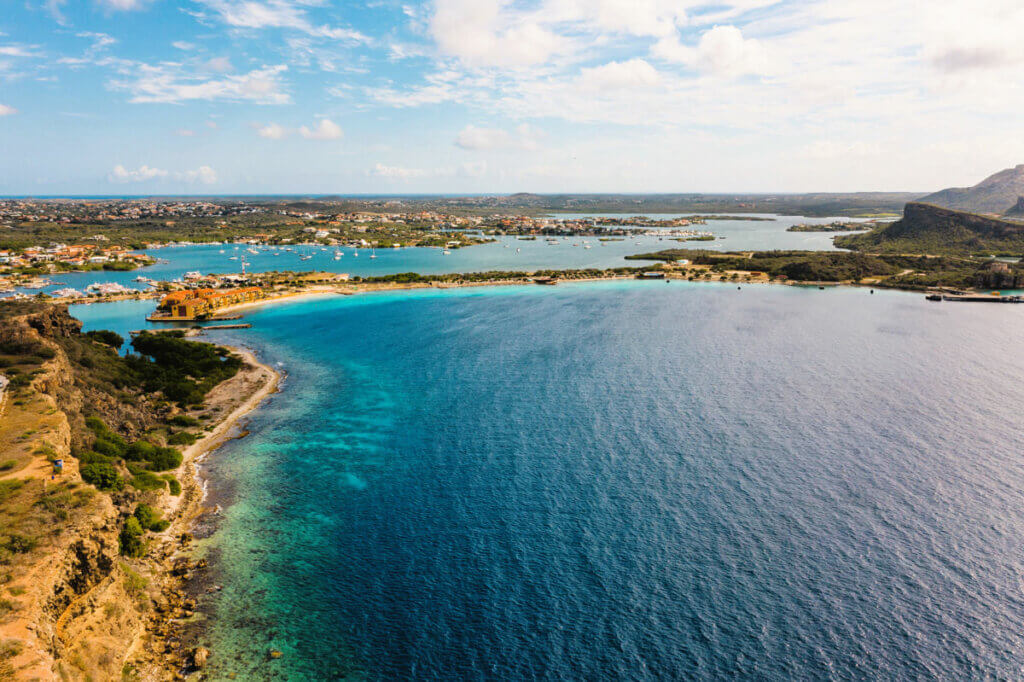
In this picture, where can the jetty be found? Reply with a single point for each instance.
(975, 298)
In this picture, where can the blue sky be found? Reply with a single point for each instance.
(318, 96)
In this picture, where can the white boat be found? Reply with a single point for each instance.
(373, 253)
(446, 252)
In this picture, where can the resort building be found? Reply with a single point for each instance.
(194, 303)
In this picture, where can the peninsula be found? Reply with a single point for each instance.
(98, 491)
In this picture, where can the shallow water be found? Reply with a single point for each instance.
(508, 253)
(626, 480)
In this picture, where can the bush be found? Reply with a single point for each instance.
(182, 438)
(107, 337)
(183, 420)
(109, 446)
(147, 480)
(93, 457)
(20, 544)
(165, 459)
(130, 538)
(8, 464)
(172, 482)
(148, 517)
(102, 475)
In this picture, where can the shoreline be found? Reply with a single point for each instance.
(152, 648)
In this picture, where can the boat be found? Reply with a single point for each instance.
(373, 253)
(305, 257)
(446, 252)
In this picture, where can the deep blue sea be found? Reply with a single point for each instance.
(624, 480)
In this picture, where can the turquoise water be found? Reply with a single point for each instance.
(508, 253)
(626, 480)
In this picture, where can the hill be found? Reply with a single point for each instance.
(935, 230)
(1017, 211)
(995, 194)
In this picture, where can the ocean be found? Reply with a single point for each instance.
(622, 480)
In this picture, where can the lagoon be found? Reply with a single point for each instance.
(508, 253)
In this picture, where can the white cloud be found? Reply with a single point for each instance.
(183, 45)
(721, 51)
(203, 175)
(167, 83)
(397, 172)
(218, 65)
(272, 131)
(185, 132)
(480, 33)
(18, 51)
(484, 139)
(632, 74)
(141, 174)
(7, 110)
(289, 14)
(124, 5)
(325, 130)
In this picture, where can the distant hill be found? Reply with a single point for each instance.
(927, 229)
(1017, 211)
(995, 194)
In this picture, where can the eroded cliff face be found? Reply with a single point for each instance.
(76, 606)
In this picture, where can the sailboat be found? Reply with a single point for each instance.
(373, 253)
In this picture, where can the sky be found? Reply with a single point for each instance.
(126, 97)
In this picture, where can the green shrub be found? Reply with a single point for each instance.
(110, 447)
(183, 420)
(173, 484)
(147, 516)
(147, 480)
(102, 475)
(106, 337)
(165, 459)
(182, 438)
(20, 544)
(93, 457)
(130, 538)
(8, 464)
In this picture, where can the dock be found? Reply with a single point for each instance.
(192, 331)
(975, 298)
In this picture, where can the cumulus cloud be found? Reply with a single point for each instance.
(325, 130)
(631, 74)
(480, 33)
(169, 84)
(721, 51)
(7, 110)
(272, 131)
(473, 138)
(183, 45)
(141, 174)
(203, 175)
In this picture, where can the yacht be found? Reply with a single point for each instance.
(446, 252)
